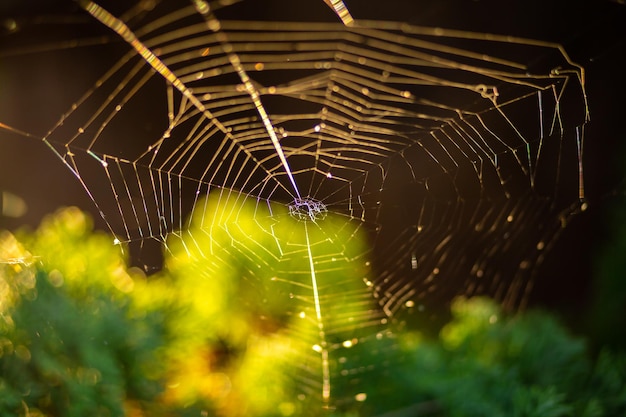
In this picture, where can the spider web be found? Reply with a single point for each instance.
(386, 167)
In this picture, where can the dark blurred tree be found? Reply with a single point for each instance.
(607, 314)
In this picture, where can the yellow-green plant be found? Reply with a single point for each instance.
(235, 323)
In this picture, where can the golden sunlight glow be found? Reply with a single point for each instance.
(360, 397)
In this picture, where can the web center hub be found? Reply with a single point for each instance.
(307, 209)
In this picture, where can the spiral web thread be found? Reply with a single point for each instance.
(451, 152)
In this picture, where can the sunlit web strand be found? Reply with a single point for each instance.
(461, 34)
(339, 7)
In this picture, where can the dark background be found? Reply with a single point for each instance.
(593, 33)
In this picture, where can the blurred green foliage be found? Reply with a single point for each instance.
(70, 345)
(486, 363)
(82, 334)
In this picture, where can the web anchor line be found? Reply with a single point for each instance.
(322, 347)
(214, 25)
